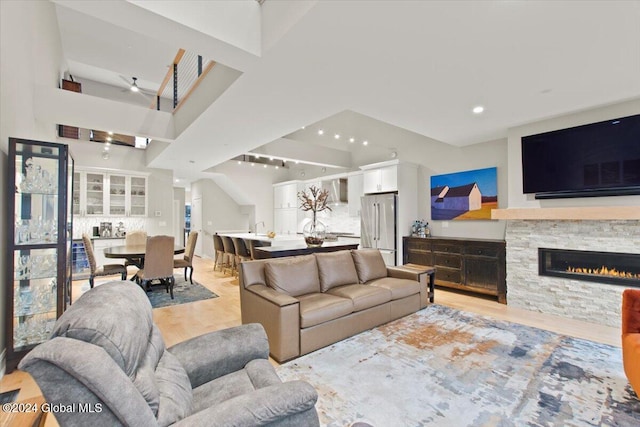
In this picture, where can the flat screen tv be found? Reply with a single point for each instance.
(598, 159)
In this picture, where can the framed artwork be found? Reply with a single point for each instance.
(464, 195)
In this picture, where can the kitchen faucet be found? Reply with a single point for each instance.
(256, 226)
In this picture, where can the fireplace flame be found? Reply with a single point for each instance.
(604, 271)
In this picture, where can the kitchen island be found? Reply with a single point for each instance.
(292, 248)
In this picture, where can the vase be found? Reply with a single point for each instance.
(314, 233)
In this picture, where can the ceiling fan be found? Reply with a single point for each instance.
(133, 87)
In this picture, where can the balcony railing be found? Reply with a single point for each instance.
(183, 77)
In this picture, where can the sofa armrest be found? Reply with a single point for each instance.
(271, 295)
(631, 311)
(219, 353)
(278, 313)
(422, 274)
(266, 406)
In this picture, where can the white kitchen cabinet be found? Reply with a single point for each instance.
(127, 195)
(105, 194)
(354, 193)
(380, 180)
(285, 195)
(286, 221)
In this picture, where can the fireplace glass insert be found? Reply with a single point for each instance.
(603, 267)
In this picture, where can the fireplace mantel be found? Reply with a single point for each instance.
(570, 213)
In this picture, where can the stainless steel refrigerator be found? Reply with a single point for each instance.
(378, 225)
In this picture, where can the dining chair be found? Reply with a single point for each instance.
(241, 253)
(100, 270)
(219, 252)
(229, 253)
(187, 260)
(158, 263)
(135, 238)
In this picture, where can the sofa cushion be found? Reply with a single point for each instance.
(399, 288)
(176, 396)
(293, 276)
(319, 308)
(336, 269)
(369, 264)
(362, 296)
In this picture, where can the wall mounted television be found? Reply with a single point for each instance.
(598, 159)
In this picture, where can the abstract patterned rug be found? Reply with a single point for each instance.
(444, 367)
(183, 292)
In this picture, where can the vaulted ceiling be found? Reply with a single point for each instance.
(418, 65)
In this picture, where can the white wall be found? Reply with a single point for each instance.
(257, 183)
(435, 158)
(517, 199)
(219, 212)
(35, 60)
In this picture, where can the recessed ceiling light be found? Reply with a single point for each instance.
(256, 156)
(271, 158)
(239, 162)
(106, 148)
(177, 180)
(109, 138)
(303, 127)
(302, 173)
(264, 166)
(277, 167)
(478, 109)
(110, 133)
(320, 132)
(253, 164)
(365, 142)
(336, 136)
(297, 162)
(352, 140)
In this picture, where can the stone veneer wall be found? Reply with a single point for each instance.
(589, 301)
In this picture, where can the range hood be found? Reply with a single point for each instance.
(337, 189)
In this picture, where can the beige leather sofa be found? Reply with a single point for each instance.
(308, 302)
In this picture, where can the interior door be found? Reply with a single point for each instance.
(196, 223)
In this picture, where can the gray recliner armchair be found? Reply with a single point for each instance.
(107, 355)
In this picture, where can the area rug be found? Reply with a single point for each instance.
(444, 367)
(183, 292)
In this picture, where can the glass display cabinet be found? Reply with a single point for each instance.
(38, 281)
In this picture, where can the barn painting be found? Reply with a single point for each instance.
(464, 195)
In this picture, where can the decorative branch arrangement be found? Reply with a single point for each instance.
(315, 200)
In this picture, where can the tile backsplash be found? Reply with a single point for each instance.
(339, 220)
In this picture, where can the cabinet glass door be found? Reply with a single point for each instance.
(138, 196)
(76, 193)
(95, 194)
(38, 275)
(117, 195)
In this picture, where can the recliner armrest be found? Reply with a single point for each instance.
(265, 406)
(210, 356)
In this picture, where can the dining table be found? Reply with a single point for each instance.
(134, 253)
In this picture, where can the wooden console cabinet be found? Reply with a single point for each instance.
(475, 265)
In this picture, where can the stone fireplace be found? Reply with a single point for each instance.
(576, 296)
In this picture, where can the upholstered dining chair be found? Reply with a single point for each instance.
(187, 260)
(229, 253)
(219, 252)
(135, 238)
(158, 263)
(242, 253)
(100, 270)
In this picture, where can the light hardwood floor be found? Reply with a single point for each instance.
(182, 322)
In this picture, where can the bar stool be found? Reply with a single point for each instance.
(242, 253)
(253, 244)
(219, 252)
(229, 253)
